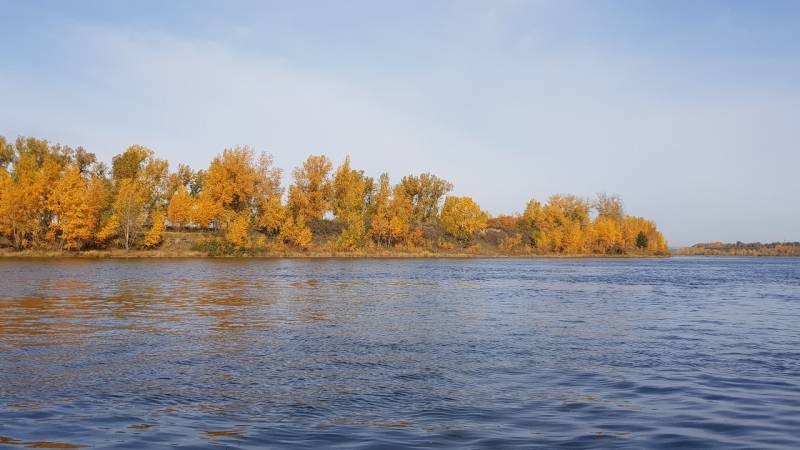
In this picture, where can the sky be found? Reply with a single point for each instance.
(689, 110)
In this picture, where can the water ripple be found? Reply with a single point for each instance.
(672, 353)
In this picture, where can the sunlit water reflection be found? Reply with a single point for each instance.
(682, 352)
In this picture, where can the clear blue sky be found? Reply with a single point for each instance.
(690, 110)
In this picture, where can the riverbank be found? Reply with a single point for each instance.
(182, 244)
(156, 254)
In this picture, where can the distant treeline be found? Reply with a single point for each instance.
(743, 249)
(55, 198)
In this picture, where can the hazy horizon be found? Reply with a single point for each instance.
(688, 110)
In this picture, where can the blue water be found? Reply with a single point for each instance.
(657, 353)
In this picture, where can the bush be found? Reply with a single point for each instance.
(216, 247)
(154, 237)
(512, 243)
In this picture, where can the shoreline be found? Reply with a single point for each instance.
(144, 254)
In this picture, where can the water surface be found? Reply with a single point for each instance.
(657, 353)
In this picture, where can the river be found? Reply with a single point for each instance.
(687, 352)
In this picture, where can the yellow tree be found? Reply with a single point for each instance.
(309, 195)
(609, 206)
(130, 163)
(138, 163)
(179, 211)
(6, 152)
(560, 226)
(76, 207)
(351, 188)
(18, 210)
(108, 229)
(155, 178)
(141, 182)
(401, 212)
(462, 217)
(531, 221)
(379, 215)
(351, 191)
(606, 235)
(295, 232)
(238, 232)
(183, 177)
(7, 197)
(632, 226)
(273, 214)
(129, 208)
(425, 192)
(236, 183)
(155, 235)
(205, 212)
(35, 167)
(573, 208)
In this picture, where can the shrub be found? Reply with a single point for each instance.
(512, 243)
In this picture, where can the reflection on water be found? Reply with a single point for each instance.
(686, 352)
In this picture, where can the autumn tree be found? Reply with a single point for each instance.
(559, 226)
(352, 191)
(295, 232)
(238, 183)
(109, 228)
(425, 193)
(238, 232)
(609, 206)
(309, 195)
(18, 210)
(505, 222)
(633, 226)
(574, 208)
(35, 166)
(181, 206)
(606, 236)
(462, 217)
(77, 203)
(6, 153)
(531, 221)
(184, 178)
(391, 214)
(58, 195)
(129, 209)
(401, 212)
(155, 235)
(141, 185)
(379, 214)
(273, 214)
(129, 164)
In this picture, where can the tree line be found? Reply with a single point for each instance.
(54, 196)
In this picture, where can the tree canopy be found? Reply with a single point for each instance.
(54, 196)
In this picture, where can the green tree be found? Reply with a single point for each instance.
(642, 241)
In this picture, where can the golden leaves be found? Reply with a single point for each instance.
(54, 195)
(462, 217)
